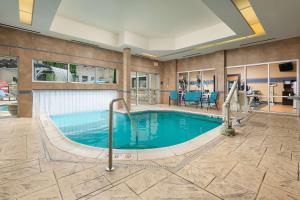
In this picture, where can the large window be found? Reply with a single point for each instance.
(267, 87)
(82, 73)
(50, 71)
(76, 73)
(198, 80)
(106, 75)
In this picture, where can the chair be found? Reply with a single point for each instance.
(211, 100)
(173, 97)
(195, 97)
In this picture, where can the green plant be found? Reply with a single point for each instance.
(115, 76)
(50, 77)
(73, 69)
(55, 64)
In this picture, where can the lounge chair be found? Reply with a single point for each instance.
(173, 97)
(211, 100)
(195, 97)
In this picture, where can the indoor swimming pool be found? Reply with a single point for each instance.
(150, 129)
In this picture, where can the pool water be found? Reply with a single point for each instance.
(154, 128)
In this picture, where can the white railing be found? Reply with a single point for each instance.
(228, 129)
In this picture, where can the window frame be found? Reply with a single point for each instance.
(68, 73)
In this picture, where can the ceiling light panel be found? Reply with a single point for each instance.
(242, 4)
(26, 11)
(250, 16)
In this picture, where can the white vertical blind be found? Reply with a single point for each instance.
(57, 102)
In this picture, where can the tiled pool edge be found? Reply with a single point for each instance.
(63, 143)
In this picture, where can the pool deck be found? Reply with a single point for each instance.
(260, 162)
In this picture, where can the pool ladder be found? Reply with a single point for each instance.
(111, 108)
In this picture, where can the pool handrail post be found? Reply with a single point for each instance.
(111, 108)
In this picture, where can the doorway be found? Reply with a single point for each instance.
(8, 86)
(144, 88)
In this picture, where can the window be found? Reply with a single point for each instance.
(8, 86)
(106, 75)
(82, 73)
(50, 71)
(200, 80)
(75, 73)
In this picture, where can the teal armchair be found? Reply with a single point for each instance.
(173, 97)
(195, 97)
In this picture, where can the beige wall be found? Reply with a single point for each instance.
(215, 60)
(269, 52)
(168, 79)
(28, 46)
(275, 51)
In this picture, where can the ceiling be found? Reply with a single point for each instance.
(168, 29)
(154, 18)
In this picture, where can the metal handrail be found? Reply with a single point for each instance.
(226, 110)
(111, 108)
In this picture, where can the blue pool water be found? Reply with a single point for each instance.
(154, 128)
(3, 108)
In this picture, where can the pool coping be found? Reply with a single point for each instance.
(57, 138)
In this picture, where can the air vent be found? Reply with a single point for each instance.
(21, 29)
(257, 42)
(191, 55)
(175, 53)
(84, 43)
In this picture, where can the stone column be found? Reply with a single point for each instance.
(126, 76)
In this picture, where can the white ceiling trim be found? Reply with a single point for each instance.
(76, 29)
(63, 25)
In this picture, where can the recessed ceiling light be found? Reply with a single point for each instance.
(249, 15)
(251, 18)
(242, 4)
(26, 11)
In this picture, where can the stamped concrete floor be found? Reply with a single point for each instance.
(260, 162)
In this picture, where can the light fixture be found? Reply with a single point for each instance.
(251, 18)
(26, 11)
(149, 55)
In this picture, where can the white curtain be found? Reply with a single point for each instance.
(57, 102)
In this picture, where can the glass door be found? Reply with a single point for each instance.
(154, 83)
(208, 81)
(282, 85)
(257, 87)
(143, 88)
(8, 86)
(195, 81)
(268, 87)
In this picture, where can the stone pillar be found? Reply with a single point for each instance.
(126, 76)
